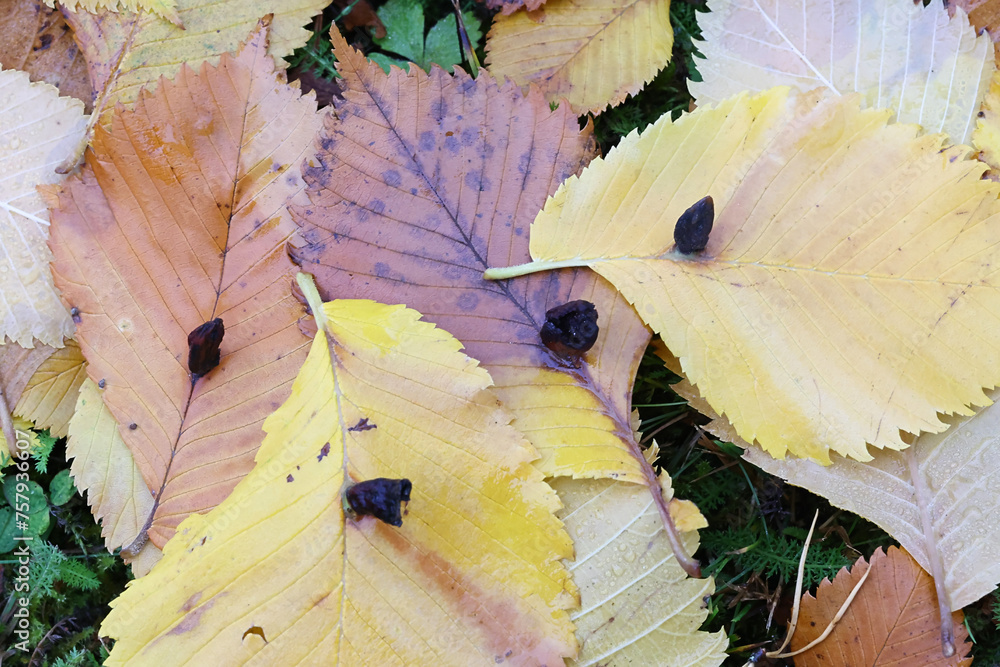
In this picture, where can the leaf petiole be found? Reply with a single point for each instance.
(505, 272)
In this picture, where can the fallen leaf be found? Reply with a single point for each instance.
(472, 576)
(452, 171)
(932, 69)
(592, 53)
(38, 130)
(893, 619)
(846, 291)
(162, 9)
(49, 398)
(179, 218)
(946, 479)
(127, 51)
(637, 605)
(36, 40)
(104, 470)
(17, 366)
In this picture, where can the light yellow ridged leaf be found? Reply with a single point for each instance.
(128, 51)
(50, 397)
(38, 131)
(847, 291)
(637, 605)
(930, 68)
(277, 574)
(103, 468)
(593, 53)
(166, 9)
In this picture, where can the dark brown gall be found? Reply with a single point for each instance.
(693, 227)
(570, 329)
(203, 347)
(380, 498)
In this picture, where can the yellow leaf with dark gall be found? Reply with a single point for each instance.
(848, 290)
(278, 574)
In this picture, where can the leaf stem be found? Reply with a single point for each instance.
(315, 301)
(505, 272)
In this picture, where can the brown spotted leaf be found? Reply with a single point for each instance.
(893, 619)
(424, 180)
(178, 218)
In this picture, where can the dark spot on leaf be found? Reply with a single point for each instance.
(46, 42)
(477, 181)
(363, 425)
(133, 426)
(468, 301)
(382, 269)
(392, 178)
(439, 109)
(380, 498)
(981, 114)
(289, 478)
(255, 630)
(694, 226)
(75, 314)
(570, 329)
(102, 383)
(377, 206)
(451, 145)
(203, 347)
(322, 453)
(413, 191)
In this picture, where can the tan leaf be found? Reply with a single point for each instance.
(893, 620)
(984, 14)
(593, 53)
(178, 218)
(931, 69)
(38, 130)
(35, 39)
(50, 396)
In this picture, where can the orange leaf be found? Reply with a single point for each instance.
(178, 218)
(982, 14)
(893, 620)
(36, 40)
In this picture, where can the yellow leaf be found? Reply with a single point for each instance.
(24, 426)
(103, 468)
(637, 605)
(50, 396)
(279, 575)
(166, 9)
(130, 50)
(936, 497)
(932, 69)
(593, 53)
(846, 291)
(38, 130)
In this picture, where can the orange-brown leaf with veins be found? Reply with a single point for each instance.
(177, 218)
(893, 620)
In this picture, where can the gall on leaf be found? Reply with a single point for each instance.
(693, 227)
(570, 329)
(203, 347)
(379, 497)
